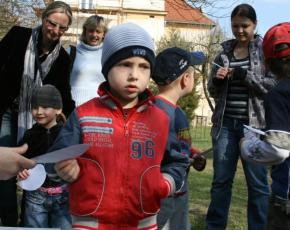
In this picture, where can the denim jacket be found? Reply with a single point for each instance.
(257, 81)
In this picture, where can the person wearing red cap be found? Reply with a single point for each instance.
(238, 88)
(276, 46)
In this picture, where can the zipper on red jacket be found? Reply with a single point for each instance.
(126, 130)
(125, 115)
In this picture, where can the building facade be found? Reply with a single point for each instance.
(158, 17)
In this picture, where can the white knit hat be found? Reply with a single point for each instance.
(124, 41)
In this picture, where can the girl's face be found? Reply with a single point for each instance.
(128, 78)
(45, 116)
(243, 28)
(94, 36)
(54, 26)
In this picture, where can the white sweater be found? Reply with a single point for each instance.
(86, 74)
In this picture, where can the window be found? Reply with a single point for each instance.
(86, 4)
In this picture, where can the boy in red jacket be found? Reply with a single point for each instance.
(118, 183)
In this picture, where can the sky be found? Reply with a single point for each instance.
(269, 13)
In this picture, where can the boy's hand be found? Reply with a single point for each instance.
(197, 160)
(23, 175)
(68, 170)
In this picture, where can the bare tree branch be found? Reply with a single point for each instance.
(216, 8)
(18, 12)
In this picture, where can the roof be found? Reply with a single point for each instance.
(179, 11)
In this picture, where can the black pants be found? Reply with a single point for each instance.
(278, 216)
(8, 203)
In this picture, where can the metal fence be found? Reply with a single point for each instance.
(200, 133)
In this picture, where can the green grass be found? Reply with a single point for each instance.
(200, 184)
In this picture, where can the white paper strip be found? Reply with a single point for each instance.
(70, 152)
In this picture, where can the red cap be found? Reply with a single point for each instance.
(277, 34)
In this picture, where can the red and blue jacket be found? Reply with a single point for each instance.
(126, 171)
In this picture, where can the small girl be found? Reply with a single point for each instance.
(46, 207)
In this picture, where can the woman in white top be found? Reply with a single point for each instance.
(86, 74)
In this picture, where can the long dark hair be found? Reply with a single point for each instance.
(245, 10)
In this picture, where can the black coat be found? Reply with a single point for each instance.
(12, 52)
(39, 139)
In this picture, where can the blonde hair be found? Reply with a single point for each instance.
(58, 7)
(93, 21)
(190, 69)
(61, 117)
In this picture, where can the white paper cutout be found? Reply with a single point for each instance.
(70, 152)
(35, 180)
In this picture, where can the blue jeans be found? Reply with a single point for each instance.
(174, 213)
(47, 211)
(8, 197)
(225, 158)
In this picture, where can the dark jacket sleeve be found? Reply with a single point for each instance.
(260, 84)
(12, 52)
(6, 45)
(59, 76)
(174, 162)
(70, 134)
(215, 86)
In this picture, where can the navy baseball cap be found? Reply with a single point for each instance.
(172, 62)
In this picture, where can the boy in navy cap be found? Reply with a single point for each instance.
(275, 146)
(174, 75)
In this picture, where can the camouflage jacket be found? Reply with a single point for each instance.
(257, 81)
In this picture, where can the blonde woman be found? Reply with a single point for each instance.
(86, 74)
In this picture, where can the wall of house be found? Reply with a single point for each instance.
(153, 24)
(130, 4)
(145, 4)
(150, 14)
(147, 13)
(92, 4)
